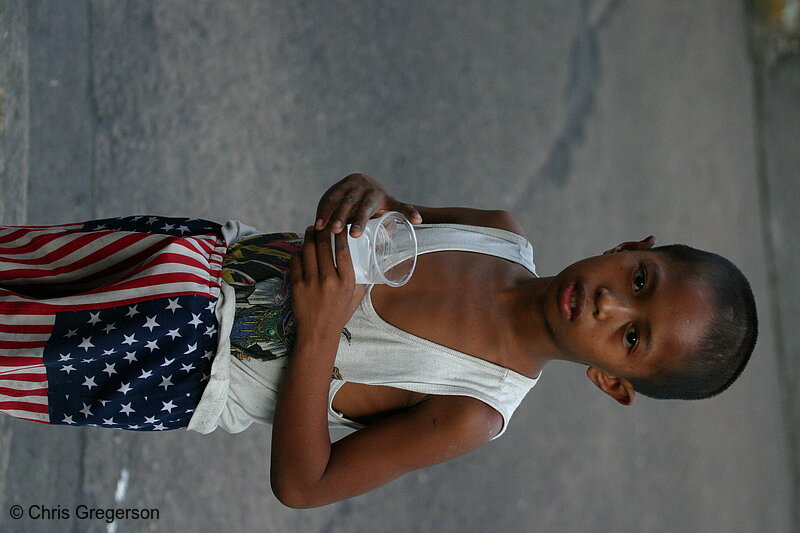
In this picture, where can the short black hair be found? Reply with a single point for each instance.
(726, 347)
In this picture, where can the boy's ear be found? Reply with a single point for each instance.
(618, 388)
(632, 246)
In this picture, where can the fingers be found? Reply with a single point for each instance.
(366, 208)
(325, 254)
(317, 257)
(408, 210)
(329, 204)
(343, 260)
(411, 214)
(295, 268)
(356, 199)
(347, 204)
(309, 254)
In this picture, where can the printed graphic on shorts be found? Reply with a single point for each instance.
(258, 269)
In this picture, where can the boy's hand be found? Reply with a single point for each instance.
(356, 199)
(324, 297)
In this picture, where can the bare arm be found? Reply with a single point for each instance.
(357, 198)
(309, 471)
(496, 218)
(306, 469)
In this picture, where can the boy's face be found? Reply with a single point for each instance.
(628, 314)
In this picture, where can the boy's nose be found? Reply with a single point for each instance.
(611, 305)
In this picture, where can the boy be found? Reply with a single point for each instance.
(434, 369)
(672, 322)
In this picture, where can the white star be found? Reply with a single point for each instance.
(109, 421)
(151, 220)
(146, 374)
(210, 330)
(152, 345)
(126, 408)
(110, 369)
(89, 382)
(126, 387)
(137, 217)
(109, 327)
(166, 382)
(108, 352)
(187, 368)
(173, 333)
(159, 427)
(211, 305)
(129, 339)
(104, 402)
(67, 368)
(86, 344)
(183, 229)
(71, 333)
(208, 355)
(68, 419)
(88, 360)
(151, 323)
(135, 426)
(173, 305)
(168, 362)
(150, 420)
(132, 310)
(86, 411)
(95, 318)
(168, 227)
(101, 226)
(168, 406)
(192, 347)
(189, 411)
(131, 357)
(195, 320)
(205, 377)
(64, 357)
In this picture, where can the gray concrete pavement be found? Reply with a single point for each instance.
(594, 122)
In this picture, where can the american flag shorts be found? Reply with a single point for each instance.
(109, 322)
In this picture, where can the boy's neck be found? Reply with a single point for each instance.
(523, 306)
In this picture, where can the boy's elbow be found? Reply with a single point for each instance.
(292, 500)
(285, 493)
(291, 495)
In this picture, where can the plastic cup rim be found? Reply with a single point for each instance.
(377, 269)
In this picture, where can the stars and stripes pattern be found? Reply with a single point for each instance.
(108, 322)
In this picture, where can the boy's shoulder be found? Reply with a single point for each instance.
(505, 220)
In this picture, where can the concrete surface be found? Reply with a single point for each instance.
(594, 122)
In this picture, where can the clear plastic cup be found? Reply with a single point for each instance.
(385, 252)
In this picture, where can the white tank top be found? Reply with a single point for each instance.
(377, 353)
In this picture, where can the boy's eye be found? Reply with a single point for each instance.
(640, 279)
(631, 337)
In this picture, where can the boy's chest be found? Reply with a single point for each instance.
(450, 300)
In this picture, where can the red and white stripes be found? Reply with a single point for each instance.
(49, 269)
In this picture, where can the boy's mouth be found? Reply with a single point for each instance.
(572, 300)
